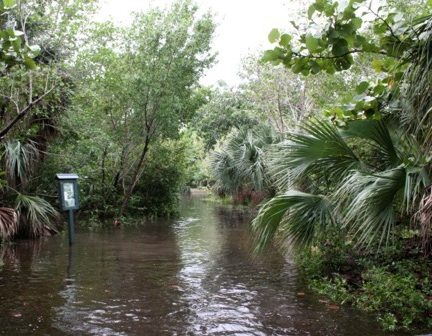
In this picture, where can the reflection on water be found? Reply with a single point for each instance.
(193, 276)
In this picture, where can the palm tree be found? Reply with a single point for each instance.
(239, 163)
(32, 216)
(368, 176)
(343, 187)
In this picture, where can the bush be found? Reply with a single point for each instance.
(395, 287)
(397, 298)
(165, 173)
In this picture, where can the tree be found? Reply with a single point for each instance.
(36, 85)
(226, 109)
(324, 179)
(139, 85)
(239, 164)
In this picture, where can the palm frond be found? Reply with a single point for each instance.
(20, 161)
(368, 203)
(318, 148)
(376, 131)
(294, 216)
(8, 223)
(222, 166)
(416, 181)
(241, 160)
(416, 113)
(36, 216)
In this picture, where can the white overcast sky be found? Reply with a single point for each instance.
(243, 27)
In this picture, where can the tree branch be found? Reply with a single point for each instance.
(22, 114)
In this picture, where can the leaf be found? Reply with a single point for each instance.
(274, 35)
(285, 40)
(357, 22)
(377, 65)
(362, 87)
(35, 49)
(340, 48)
(9, 3)
(312, 43)
(29, 63)
(315, 68)
(311, 11)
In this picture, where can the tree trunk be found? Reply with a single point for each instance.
(135, 177)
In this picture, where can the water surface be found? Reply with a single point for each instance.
(192, 276)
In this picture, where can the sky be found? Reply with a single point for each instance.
(243, 27)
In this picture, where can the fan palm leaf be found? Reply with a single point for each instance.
(368, 203)
(295, 216)
(20, 161)
(36, 216)
(241, 160)
(375, 131)
(317, 148)
(8, 223)
(416, 113)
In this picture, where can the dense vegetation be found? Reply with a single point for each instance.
(329, 132)
(350, 180)
(109, 103)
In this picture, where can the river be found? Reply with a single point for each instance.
(192, 276)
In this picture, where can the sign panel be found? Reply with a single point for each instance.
(69, 195)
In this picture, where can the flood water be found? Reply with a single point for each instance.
(192, 276)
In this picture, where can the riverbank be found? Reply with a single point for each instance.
(395, 285)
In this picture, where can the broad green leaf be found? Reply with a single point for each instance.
(357, 22)
(340, 48)
(362, 87)
(314, 67)
(311, 11)
(312, 43)
(285, 40)
(380, 28)
(274, 35)
(297, 67)
(329, 10)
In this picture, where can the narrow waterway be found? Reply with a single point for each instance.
(192, 276)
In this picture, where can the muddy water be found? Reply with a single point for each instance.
(193, 276)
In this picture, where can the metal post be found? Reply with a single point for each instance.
(71, 227)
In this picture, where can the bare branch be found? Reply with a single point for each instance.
(22, 114)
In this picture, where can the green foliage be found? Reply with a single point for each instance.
(196, 168)
(395, 296)
(335, 289)
(14, 48)
(240, 162)
(20, 161)
(295, 216)
(365, 199)
(347, 33)
(392, 285)
(159, 186)
(36, 216)
(225, 110)
(139, 85)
